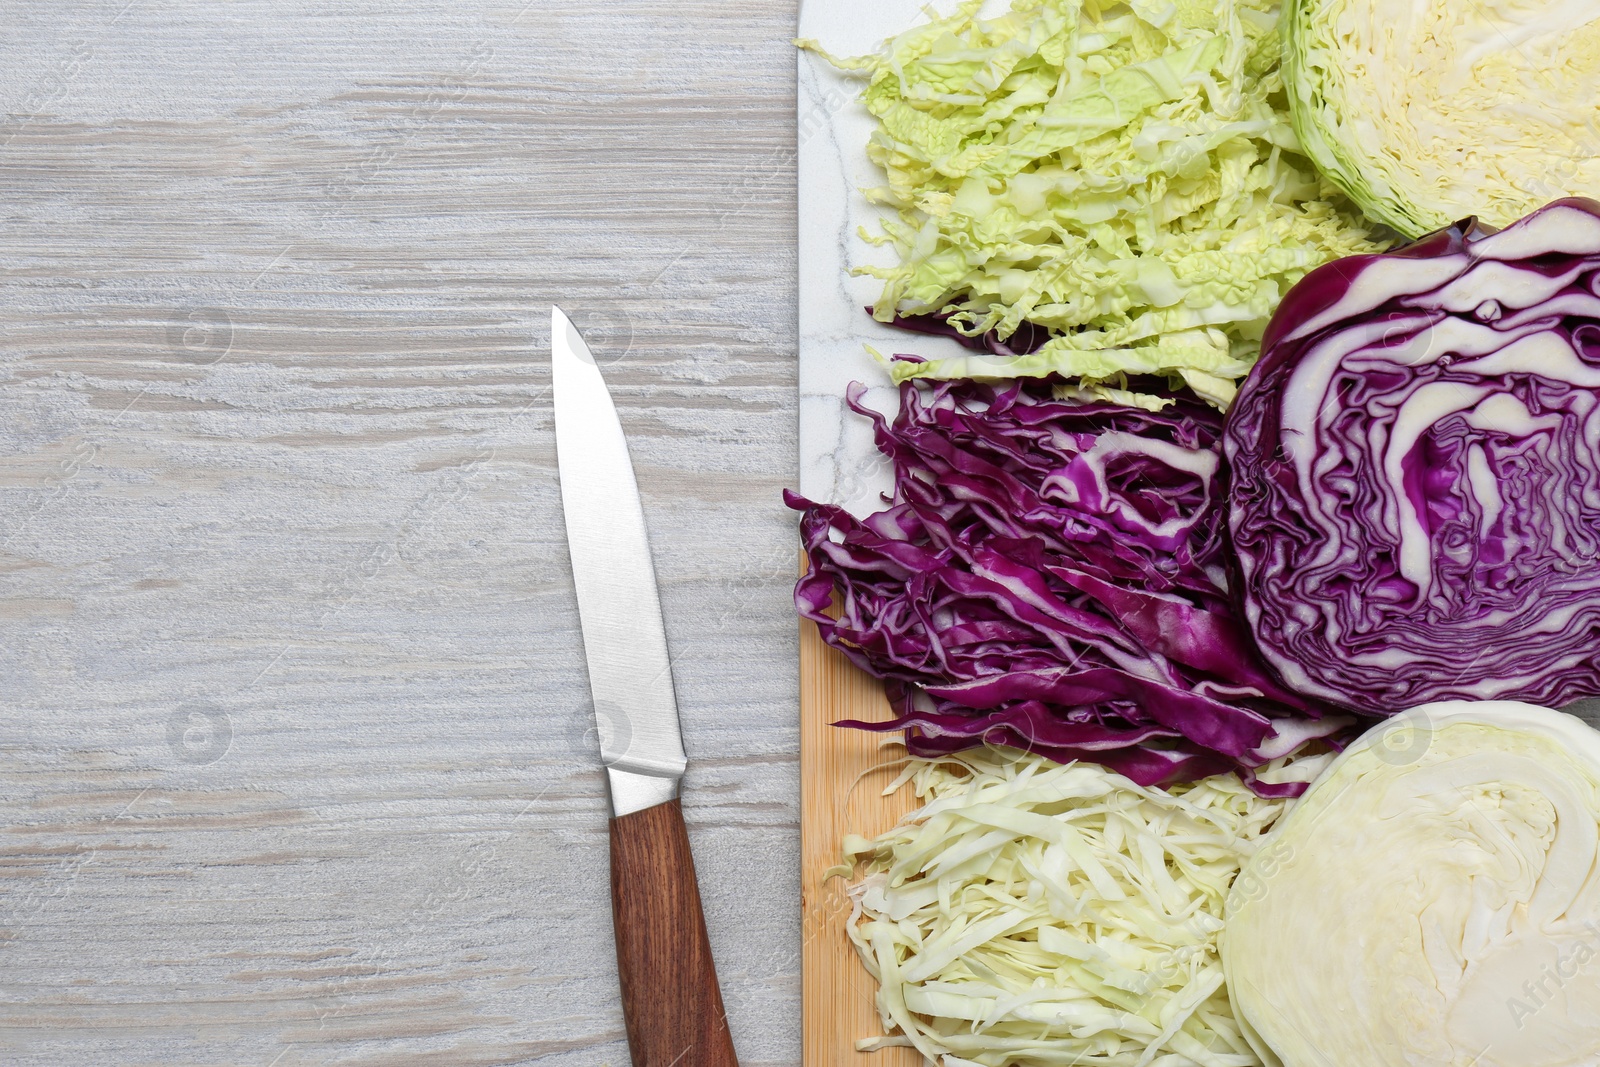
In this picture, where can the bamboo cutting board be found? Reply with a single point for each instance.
(842, 778)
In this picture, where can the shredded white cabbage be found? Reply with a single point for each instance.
(1031, 913)
(1121, 173)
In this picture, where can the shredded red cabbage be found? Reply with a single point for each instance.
(1028, 336)
(1049, 576)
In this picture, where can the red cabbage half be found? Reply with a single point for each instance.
(1049, 575)
(1415, 471)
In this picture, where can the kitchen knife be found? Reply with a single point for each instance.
(670, 997)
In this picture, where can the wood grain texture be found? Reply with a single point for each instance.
(843, 774)
(297, 764)
(671, 1001)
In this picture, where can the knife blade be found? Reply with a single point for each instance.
(671, 1001)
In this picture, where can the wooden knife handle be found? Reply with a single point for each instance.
(670, 996)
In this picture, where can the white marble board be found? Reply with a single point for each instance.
(838, 463)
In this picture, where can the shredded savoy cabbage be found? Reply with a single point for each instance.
(1039, 915)
(1123, 175)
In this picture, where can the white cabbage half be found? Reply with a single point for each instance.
(1430, 111)
(1433, 899)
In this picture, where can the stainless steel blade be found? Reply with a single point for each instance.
(624, 641)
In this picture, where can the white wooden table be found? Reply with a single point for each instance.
(296, 761)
